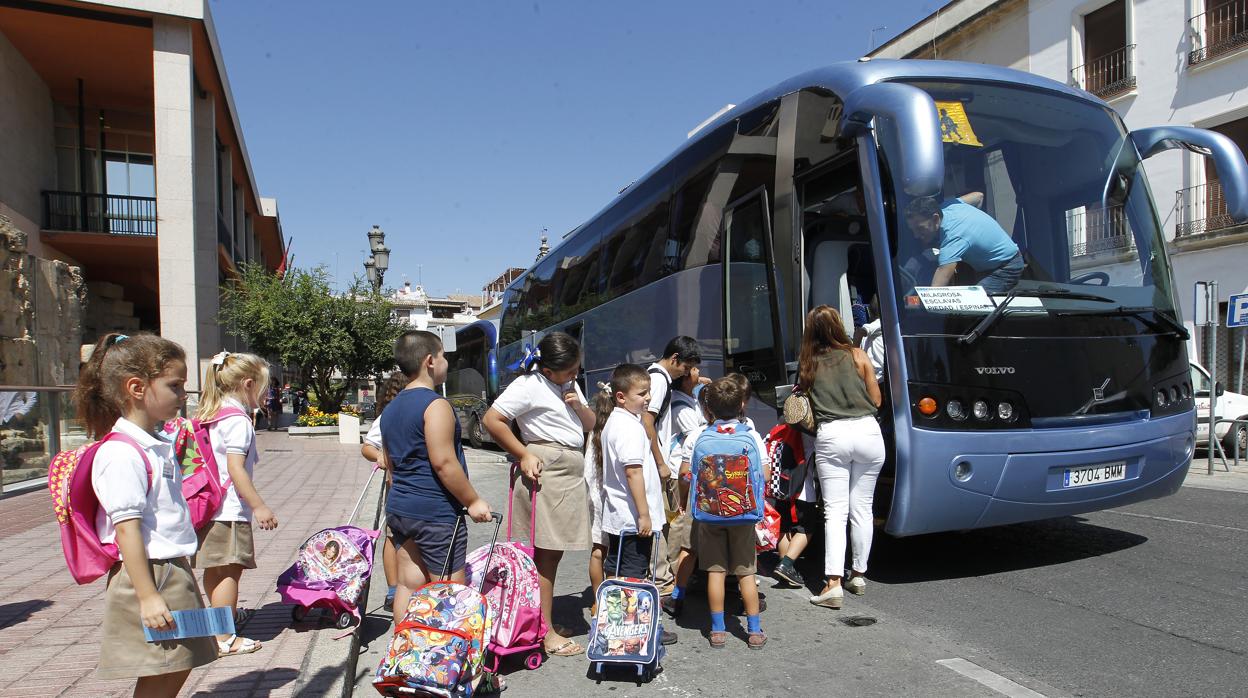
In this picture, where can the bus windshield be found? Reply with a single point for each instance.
(1043, 198)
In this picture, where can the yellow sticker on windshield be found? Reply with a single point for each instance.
(954, 126)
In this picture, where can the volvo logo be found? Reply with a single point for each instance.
(994, 370)
(1098, 394)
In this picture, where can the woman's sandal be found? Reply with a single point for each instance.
(226, 648)
(567, 649)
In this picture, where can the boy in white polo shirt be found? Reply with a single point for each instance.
(633, 494)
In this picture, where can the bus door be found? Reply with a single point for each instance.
(751, 320)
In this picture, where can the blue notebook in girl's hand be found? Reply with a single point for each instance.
(196, 622)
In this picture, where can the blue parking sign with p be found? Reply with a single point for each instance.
(1237, 310)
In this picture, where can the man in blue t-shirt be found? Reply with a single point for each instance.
(968, 235)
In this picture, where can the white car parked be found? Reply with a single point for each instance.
(1230, 406)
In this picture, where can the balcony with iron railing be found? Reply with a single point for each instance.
(1219, 31)
(112, 214)
(1201, 210)
(1107, 76)
(1093, 232)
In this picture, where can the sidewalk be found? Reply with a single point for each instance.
(49, 626)
(1229, 477)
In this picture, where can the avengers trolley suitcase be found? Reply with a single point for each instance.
(626, 632)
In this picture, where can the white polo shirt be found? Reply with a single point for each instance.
(624, 442)
(539, 410)
(120, 481)
(373, 437)
(658, 393)
(686, 419)
(233, 435)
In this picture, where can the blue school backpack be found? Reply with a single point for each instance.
(727, 476)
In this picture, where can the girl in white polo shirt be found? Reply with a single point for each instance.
(131, 386)
(550, 410)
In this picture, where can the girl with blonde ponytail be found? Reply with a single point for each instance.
(237, 383)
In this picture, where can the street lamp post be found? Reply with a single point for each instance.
(379, 261)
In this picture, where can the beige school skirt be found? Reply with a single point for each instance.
(224, 543)
(124, 654)
(562, 502)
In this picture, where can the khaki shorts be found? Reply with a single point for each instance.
(124, 653)
(727, 549)
(226, 543)
(680, 532)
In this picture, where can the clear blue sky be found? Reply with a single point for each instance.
(464, 128)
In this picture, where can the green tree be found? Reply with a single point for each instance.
(298, 320)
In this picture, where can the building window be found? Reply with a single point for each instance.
(1107, 69)
(1202, 208)
(1222, 28)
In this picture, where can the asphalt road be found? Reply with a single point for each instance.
(1149, 600)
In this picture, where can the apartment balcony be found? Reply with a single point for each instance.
(1108, 76)
(1096, 232)
(78, 212)
(1202, 212)
(1219, 31)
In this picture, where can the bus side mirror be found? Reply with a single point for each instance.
(915, 130)
(1227, 158)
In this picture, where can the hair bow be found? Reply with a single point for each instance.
(219, 360)
(604, 387)
(526, 362)
(119, 338)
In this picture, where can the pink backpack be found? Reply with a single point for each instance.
(514, 599)
(201, 475)
(512, 591)
(75, 504)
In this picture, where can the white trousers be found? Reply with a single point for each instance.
(848, 456)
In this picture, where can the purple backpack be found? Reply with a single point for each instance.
(513, 595)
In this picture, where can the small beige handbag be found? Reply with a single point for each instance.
(799, 412)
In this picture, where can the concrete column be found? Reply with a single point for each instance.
(207, 266)
(186, 268)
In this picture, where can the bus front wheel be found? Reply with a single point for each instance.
(475, 436)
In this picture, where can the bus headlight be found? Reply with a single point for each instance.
(956, 410)
(980, 410)
(1005, 412)
(1161, 397)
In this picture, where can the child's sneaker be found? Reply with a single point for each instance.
(785, 572)
(673, 607)
(757, 640)
(856, 585)
(718, 638)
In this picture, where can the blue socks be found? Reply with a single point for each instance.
(754, 623)
(678, 593)
(717, 622)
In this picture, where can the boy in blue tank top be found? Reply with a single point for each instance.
(420, 433)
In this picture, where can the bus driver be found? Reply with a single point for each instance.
(968, 235)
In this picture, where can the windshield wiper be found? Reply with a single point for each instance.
(991, 318)
(1158, 321)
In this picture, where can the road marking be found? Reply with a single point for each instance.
(1183, 521)
(992, 680)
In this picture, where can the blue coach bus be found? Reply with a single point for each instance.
(1070, 393)
(472, 376)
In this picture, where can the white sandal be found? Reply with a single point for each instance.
(226, 648)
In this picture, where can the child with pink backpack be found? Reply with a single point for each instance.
(233, 387)
(128, 486)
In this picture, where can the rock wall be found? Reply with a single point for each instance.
(41, 309)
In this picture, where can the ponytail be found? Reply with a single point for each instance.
(225, 376)
(99, 398)
(603, 404)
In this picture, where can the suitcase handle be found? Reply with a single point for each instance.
(450, 553)
(654, 551)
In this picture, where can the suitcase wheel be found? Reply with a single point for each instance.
(298, 613)
(344, 620)
(533, 661)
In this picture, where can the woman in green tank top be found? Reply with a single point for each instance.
(849, 450)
